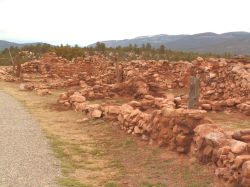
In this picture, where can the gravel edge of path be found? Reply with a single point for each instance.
(26, 156)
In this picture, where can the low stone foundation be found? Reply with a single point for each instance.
(187, 132)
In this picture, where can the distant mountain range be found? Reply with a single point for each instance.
(233, 42)
(5, 44)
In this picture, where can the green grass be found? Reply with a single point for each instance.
(177, 91)
(115, 163)
(69, 182)
(120, 101)
(77, 149)
(127, 142)
(168, 162)
(147, 184)
(57, 146)
(190, 181)
(110, 184)
(94, 121)
(232, 121)
(96, 152)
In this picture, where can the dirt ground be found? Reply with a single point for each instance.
(96, 153)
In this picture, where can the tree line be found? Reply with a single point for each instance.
(130, 52)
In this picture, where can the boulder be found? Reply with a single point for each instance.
(22, 87)
(239, 160)
(206, 106)
(246, 169)
(238, 146)
(96, 113)
(243, 135)
(77, 97)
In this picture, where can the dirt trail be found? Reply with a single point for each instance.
(25, 157)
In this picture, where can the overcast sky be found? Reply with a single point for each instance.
(87, 21)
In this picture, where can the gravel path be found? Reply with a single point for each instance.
(25, 157)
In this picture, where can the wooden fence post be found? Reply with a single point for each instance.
(12, 61)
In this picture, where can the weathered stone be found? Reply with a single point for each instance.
(208, 151)
(22, 87)
(77, 97)
(224, 150)
(182, 140)
(238, 147)
(206, 106)
(245, 182)
(246, 169)
(138, 130)
(134, 103)
(96, 113)
(239, 160)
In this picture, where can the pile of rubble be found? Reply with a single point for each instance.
(225, 84)
(229, 153)
(54, 71)
(131, 78)
(166, 127)
(40, 89)
(244, 107)
(50, 65)
(155, 74)
(2, 72)
(6, 74)
(162, 126)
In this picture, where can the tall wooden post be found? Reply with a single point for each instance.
(12, 61)
(18, 70)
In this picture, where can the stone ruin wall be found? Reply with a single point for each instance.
(225, 84)
(183, 130)
(158, 75)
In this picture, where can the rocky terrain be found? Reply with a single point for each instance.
(155, 102)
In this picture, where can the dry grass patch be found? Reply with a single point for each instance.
(230, 121)
(82, 159)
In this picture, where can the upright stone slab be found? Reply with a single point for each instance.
(194, 92)
(119, 72)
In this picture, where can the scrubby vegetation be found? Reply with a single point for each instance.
(123, 53)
